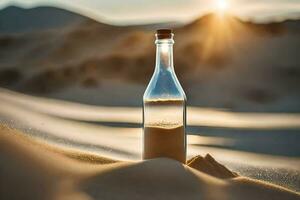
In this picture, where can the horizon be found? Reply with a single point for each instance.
(254, 11)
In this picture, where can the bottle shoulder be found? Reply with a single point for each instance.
(164, 85)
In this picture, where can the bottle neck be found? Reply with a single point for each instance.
(164, 55)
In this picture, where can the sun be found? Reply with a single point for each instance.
(222, 5)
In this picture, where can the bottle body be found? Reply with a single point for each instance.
(164, 109)
(165, 137)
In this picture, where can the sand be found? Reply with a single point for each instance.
(164, 142)
(31, 170)
(164, 129)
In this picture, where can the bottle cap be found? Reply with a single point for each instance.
(164, 34)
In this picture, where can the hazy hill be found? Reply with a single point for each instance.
(15, 19)
(221, 61)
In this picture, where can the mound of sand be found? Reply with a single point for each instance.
(33, 170)
(210, 166)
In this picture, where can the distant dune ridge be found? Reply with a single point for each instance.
(34, 170)
(221, 61)
(14, 19)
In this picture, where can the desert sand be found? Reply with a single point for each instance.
(34, 170)
(168, 142)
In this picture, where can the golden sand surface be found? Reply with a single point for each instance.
(164, 142)
(31, 170)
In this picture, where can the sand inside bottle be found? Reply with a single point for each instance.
(165, 138)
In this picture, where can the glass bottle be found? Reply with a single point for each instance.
(164, 106)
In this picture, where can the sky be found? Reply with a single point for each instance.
(153, 11)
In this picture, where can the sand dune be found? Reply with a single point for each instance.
(229, 136)
(39, 171)
(209, 117)
(233, 70)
